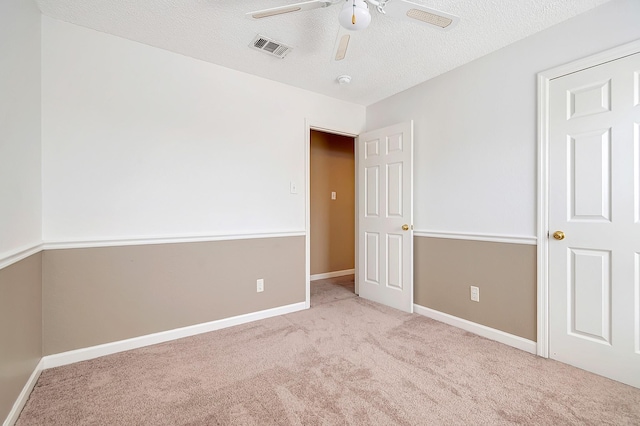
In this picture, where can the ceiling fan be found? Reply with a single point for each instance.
(355, 16)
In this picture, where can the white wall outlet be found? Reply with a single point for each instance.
(475, 294)
(293, 187)
(333, 195)
(260, 285)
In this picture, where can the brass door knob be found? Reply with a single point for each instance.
(405, 227)
(558, 235)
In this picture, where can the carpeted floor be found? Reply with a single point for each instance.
(345, 361)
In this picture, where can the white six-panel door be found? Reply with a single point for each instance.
(385, 206)
(594, 187)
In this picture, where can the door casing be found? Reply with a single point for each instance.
(544, 78)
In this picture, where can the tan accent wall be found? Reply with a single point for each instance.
(100, 295)
(20, 327)
(332, 168)
(505, 274)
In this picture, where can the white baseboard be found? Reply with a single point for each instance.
(479, 329)
(24, 396)
(84, 354)
(332, 274)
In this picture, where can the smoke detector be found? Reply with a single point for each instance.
(344, 79)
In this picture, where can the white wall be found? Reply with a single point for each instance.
(475, 127)
(20, 189)
(141, 142)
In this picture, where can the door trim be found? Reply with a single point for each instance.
(309, 125)
(544, 79)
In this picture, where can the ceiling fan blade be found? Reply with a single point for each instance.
(420, 14)
(341, 45)
(296, 7)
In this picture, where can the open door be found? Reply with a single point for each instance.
(385, 216)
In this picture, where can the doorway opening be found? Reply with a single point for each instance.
(332, 215)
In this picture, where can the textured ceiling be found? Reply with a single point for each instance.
(386, 58)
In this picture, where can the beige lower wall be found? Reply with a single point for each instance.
(505, 274)
(20, 327)
(93, 296)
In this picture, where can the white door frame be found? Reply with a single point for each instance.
(544, 79)
(311, 124)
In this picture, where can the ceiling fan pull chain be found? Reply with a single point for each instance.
(353, 14)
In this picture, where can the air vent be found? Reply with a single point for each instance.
(269, 46)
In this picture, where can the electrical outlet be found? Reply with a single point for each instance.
(260, 285)
(333, 195)
(475, 294)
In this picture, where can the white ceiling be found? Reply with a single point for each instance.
(386, 58)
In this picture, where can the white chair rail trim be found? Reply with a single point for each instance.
(492, 238)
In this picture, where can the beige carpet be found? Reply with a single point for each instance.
(344, 361)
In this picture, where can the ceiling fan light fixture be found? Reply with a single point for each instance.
(355, 15)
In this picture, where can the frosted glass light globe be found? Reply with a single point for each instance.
(355, 18)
